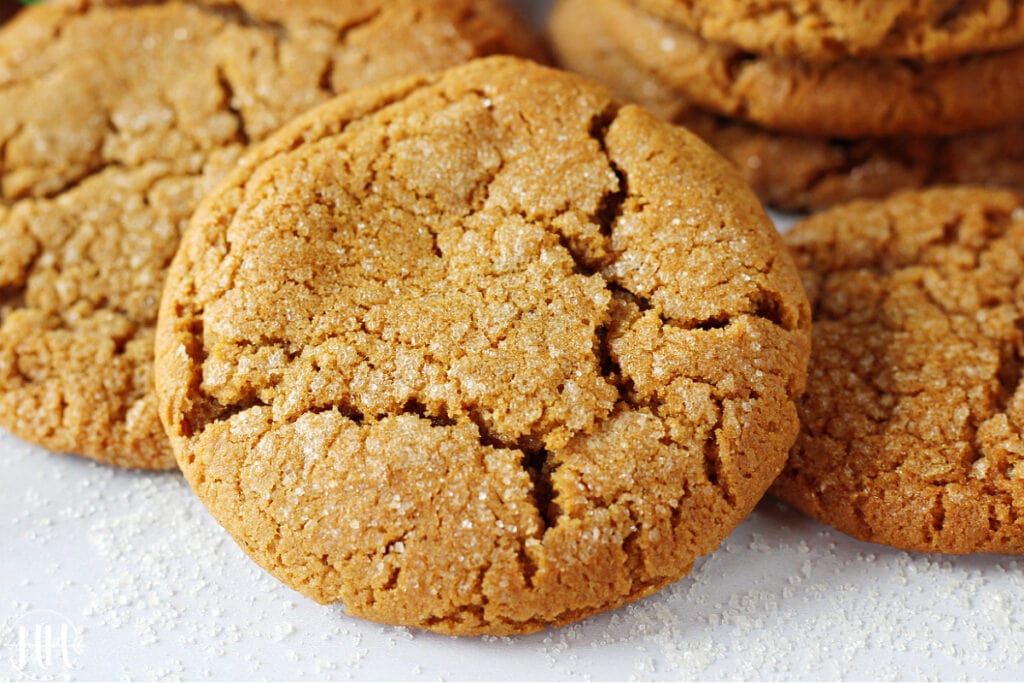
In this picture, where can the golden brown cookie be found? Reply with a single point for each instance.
(914, 414)
(117, 117)
(827, 30)
(849, 99)
(789, 171)
(481, 352)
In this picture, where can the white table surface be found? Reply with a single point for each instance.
(146, 585)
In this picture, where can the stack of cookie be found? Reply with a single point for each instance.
(819, 103)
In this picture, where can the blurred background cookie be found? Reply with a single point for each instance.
(815, 164)
(117, 118)
(827, 30)
(870, 96)
(793, 172)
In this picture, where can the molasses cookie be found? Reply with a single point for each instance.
(117, 118)
(913, 420)
(792, 172)
(849, 99)
(481, 352)
(827, 30)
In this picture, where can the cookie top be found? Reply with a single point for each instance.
(791, 172)
(848, 99)
(829, 30)
(117, 117)
(481, 352)
(913, 419)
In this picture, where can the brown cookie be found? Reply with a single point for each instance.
(117, 118)
(789, 171)
(913, 418)
(849, 99)
(828, 30)
(481, 352)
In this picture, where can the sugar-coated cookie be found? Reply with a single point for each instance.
(914, 412)
(481, 352)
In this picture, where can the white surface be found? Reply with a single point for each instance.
(155, 589)
(148, 586)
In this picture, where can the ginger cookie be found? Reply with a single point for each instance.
(481, 352)
(828, 30)
(848, 99)
(914, 414)
(117, 118)
(792, 172)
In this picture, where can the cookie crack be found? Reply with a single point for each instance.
(765, 304)
(610, 207)
(228, 95)
(343, 33)
(87, 174)
(234, 13)
(938, 515)
(536, 460)
(326, 80)
(12, 295)
(4, 145)
(1010, 372)
(611, 370)
(714, 467)
(768, 305)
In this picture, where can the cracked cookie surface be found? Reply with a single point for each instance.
(792, 172)
(117, 118)
(827, 30)
(914, 414)
(851, 98)
(481, 352)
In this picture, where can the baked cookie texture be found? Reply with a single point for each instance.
(481, 352)
(829, 30)
(913, 419)
(791, 172)
(849, 98)
(117, 118)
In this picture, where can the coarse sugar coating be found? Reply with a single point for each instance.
(850, 98)
(791, 172)
(827, 30)
(481, 352)
(914, 412)
(117, 117)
